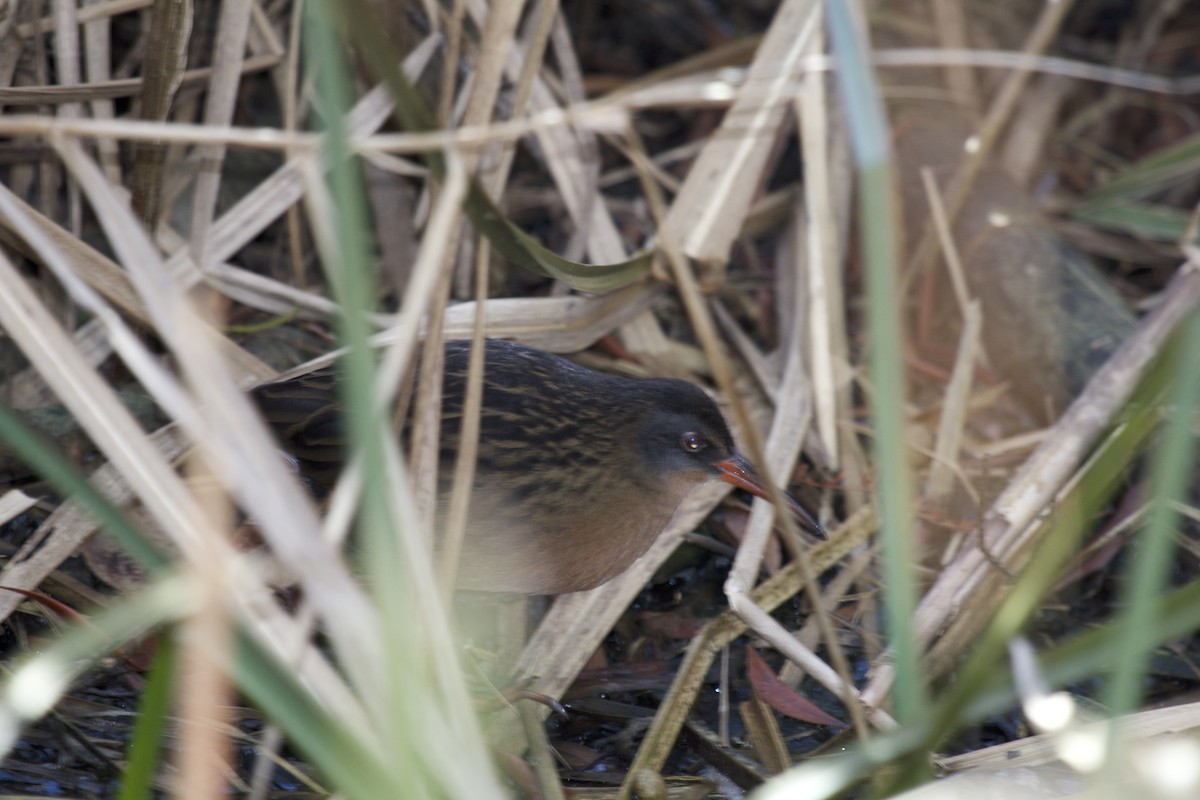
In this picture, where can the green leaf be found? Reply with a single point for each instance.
(413, 113)
(1151, 174)
(1146, 221)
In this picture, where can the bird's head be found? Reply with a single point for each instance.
(681, 434)
(683, 441)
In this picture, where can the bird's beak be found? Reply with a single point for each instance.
(738, 471)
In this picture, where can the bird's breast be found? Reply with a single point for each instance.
(555, 544)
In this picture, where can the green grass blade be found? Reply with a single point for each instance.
(424, 721)
(1154, 173)
(1172, 469)
(982, 685)
(869, 135)
(325, 741)
(145, 746)
(42, 456)
(1144, 220)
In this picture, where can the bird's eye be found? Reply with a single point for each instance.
(692, 442)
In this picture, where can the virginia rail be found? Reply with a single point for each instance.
(578, 471)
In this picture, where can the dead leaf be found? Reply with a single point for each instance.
(781, 697)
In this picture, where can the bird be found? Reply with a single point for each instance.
(578, 471)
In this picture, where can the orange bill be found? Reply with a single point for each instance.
(738, 471)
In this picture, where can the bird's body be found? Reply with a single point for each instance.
(577, 472)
